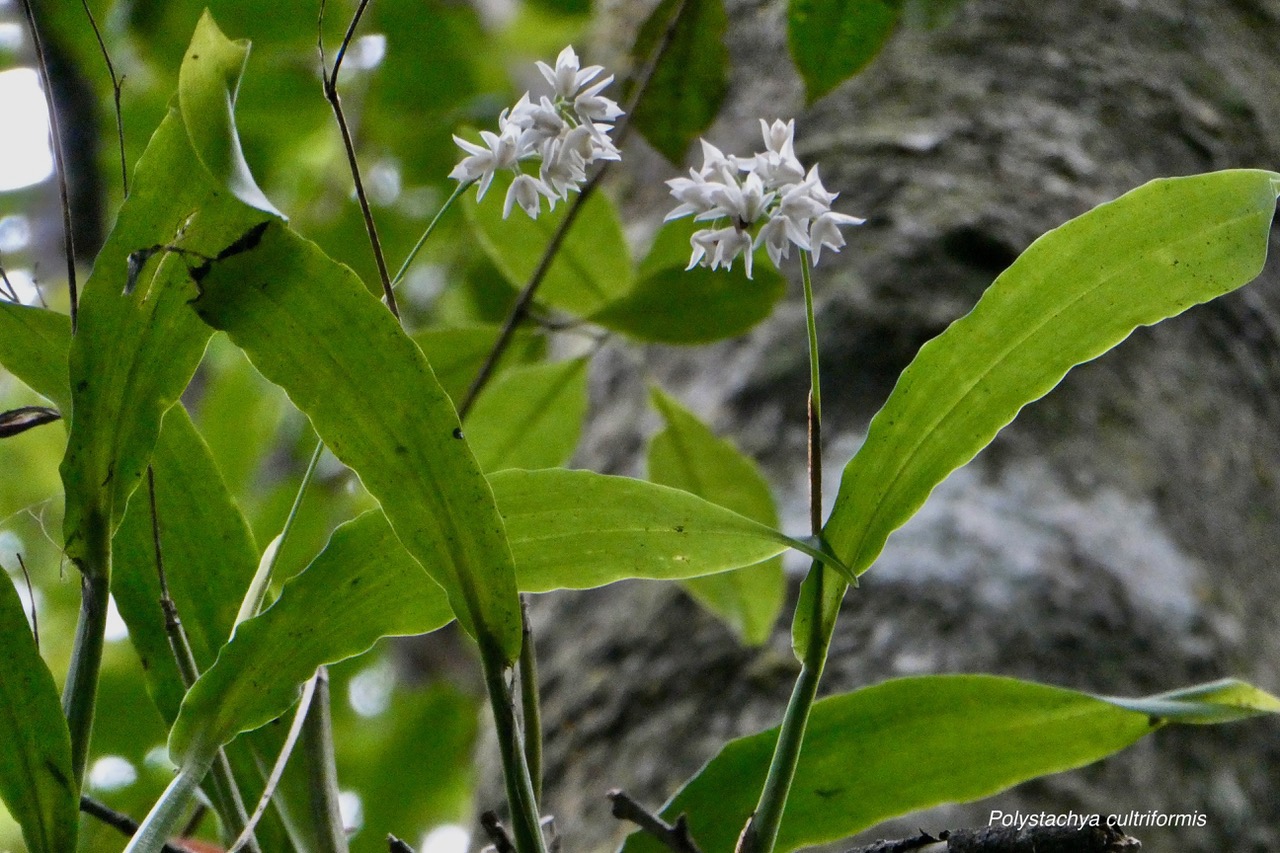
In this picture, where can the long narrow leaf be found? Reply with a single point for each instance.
(33, 347)
(1074, 294)
(138, 343)
(568, 530)
(35, 759)
(362, 587)
(309, 325)
(912, 743)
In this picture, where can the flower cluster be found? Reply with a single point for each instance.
(567, 132)
(770, 187)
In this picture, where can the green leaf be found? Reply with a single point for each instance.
(912, 743)
(457, 353)
(35, 762)
(673, 305)
(209, 557)
(531, 417)
(691, 79)
(362, 586)
(687, 455)
(1074, 294)
(831, 40)
(310, 326)
(592, 267)
(1206, 704)
(579, 529)
(207, 86)
(33, 347)
(137, 343)
(568, 530)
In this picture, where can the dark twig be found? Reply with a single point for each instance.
(8, 291)
(68, 243)
(226, 793)
(395, 845)
(193, 822)
(118, 820)
(116, 84)
(35, 625)
(520, 310)
(179, 643)
(330, 81)
(1040, 839)
(673, 836)
(497, 833)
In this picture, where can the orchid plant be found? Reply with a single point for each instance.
(452, 439)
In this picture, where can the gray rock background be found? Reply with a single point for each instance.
(1120, 537)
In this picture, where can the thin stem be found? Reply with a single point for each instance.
(515, 769)
(68, 243)
(116, 84)
(395, 845)
(530, 703)
(262, 577)
(224, 791)
(163, 818)
(815, 404)
(317, 744)
(126, 825)
(331, 95)
(417, 247)
(80, 692)
(761, 832)
(273, 780)
(520, 309)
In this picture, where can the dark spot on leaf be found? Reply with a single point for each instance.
(401, 450)
(457, 432)
(111, 472)
(355, 582)
(828, 793)
(82, 385)
(679, 528)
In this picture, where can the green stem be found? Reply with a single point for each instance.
(262, 577)
(163, 818)
(417, 247)
(761, 833)
(530, 705)
(79, 695)
(317, 746)
(525, 821)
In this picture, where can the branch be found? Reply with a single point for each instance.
(497, 833)
(674, 837)
(116, 84)
(1041, 839)
(330, 80)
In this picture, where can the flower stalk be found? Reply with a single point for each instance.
(786, 206)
